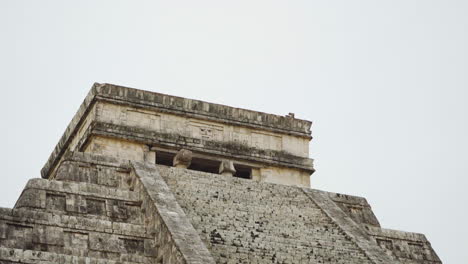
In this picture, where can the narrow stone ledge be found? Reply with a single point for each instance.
(94, 159)
(82, 223)
(82, 188)
(397, 234)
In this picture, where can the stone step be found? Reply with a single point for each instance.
(77, 198)
(15, 256)
(82, 223)
(79, 169)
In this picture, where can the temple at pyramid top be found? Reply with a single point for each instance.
(139, 125)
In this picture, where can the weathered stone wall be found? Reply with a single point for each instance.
(201, 129)
(77, 220)
(116, 148)
(286, 176)
(125, 149)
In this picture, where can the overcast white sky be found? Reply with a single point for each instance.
(385, 83)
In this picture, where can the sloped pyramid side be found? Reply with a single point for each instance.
(97, 210)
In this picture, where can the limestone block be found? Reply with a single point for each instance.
(48, 235)
(133, 213)
(109, 177)
(104, 242)
(286, 176)
(67, 172)
(56, 202)
(75, 203)
(133, 246)
(117, 148)
(20, 235)
(117, 210)
(76, 240)
(32, 198)
(226, 168)
(96, 206)
(183, 159)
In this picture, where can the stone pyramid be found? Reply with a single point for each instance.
(142, 177)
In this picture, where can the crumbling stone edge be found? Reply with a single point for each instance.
(176, 232)
(356, 233)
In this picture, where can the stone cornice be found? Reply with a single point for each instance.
(203, 110)
(216, 148)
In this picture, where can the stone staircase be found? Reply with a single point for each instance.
(245, 221)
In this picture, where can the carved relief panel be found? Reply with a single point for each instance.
(241, 136)
(206, 131)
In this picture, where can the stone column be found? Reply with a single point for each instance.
(182, 159)
(150, 155)
(226, 168)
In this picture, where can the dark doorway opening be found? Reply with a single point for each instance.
(206, 165)
(243, 171)
(164, 158)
